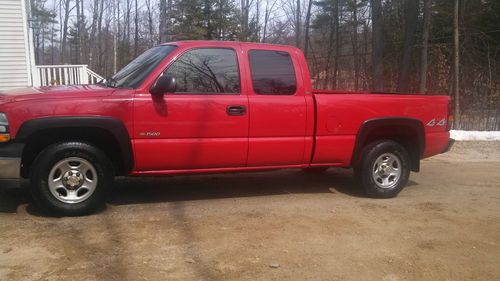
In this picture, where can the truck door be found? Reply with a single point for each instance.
(277, 108)
(203, 124)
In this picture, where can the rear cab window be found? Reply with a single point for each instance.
(272, 72)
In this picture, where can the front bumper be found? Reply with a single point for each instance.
(10, 161)
(10, 168)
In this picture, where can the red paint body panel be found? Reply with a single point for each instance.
(192, 133)
(278, 124)
(27, 104)
(341, 115)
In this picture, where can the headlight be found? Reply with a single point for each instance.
(4, 128)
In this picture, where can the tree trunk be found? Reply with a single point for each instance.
(150, 24)
(163, 21)
(267, 15)
(115, 33)
(244, 20)
(207, 11)
(425, 46)
(78, 33)
(331, 35)
(456, 64)
(100, 41)
(355, 43)
(93, 32)
(308, 19)
(336, 18)
(65, 30)
(297, 25)
(411, 18)
(377, 46)
(136, 27)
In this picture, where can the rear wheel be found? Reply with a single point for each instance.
(71, 178)
(384, 169)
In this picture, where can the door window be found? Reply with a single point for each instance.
(272, 72)
(206, 71)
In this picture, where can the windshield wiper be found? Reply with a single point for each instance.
(108, 82)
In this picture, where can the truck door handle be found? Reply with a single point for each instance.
(236, 110)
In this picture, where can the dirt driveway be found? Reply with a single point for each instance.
(282, 225)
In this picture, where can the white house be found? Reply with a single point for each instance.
(17, 59)
(16, 48)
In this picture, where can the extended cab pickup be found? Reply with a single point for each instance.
(210, 107)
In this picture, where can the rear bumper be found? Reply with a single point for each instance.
(448, 147)
(10, 161)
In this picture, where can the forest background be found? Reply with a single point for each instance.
(430, 46)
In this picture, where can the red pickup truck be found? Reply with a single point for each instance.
(210, 107)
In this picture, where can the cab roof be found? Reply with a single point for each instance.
(202, 43)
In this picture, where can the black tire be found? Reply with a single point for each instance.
(49, 157)
(315, 170)
(364, 171)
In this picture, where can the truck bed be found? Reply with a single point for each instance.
(340, 114)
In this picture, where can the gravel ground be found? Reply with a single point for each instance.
(281, 225)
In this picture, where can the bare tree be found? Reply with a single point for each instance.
(163, 21)
(78, 32)
(67, 11)
(354, 19)
(93, 31)
(298, 24)
(150, 23)
(377, 46)
(411, 18)
(425, 46)
(306, 36)
(336, 18)
(267, 14)
(136, 30)
(245, 12)
(456, 61)
(165, 16)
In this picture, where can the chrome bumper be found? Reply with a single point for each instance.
(10, 168)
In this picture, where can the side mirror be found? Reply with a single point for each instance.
(164, 84)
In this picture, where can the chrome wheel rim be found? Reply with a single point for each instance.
(72, 180)
(387, 170)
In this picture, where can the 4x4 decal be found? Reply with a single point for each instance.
(432, 123)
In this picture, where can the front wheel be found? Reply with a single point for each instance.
(71, 178)
(384, 169)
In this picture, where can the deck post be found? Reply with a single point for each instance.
(84, 76)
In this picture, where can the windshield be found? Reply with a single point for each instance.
(132, 75)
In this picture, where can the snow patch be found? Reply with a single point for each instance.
(475, 135)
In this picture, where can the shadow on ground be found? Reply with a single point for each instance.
(205, 187)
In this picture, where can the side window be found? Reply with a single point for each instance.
(272, 72)
(206, 71)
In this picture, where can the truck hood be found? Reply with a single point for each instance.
(51, 92)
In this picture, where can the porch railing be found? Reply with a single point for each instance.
(47, 75)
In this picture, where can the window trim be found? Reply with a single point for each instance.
(293, 68)
(183, 52)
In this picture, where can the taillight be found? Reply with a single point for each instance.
(451, 117)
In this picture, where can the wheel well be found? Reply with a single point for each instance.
(409, 136)
(101, 138)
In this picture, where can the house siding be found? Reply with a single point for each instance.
(15, 70)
